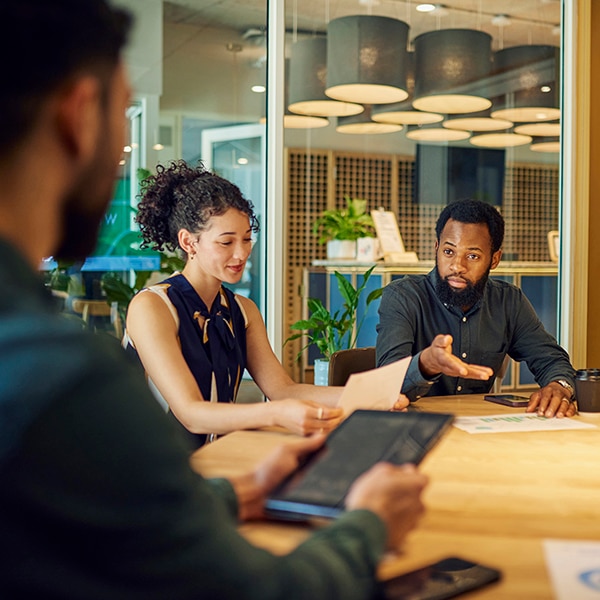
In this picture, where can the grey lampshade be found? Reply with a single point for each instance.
(402, 112)
(545, 144)
(477, 121)
(532, 73)
(364, 124)
(307, 76)
(435, 133)
(449, 63)
(366, 59)
(294, 121)
(506, 139)
(539, 129)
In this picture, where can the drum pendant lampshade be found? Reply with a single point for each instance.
(478, 121)
(448, 63)
(539, 129)
(434, 133)
(366, 59)
(535, 86)
(500, 140)
(363, 123)
(307, 75)
(402, 113)
(294, 121)
(545, 144)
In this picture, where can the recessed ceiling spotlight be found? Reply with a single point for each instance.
(545, 89)
(425, 7)
(501, 20)
(259, 89)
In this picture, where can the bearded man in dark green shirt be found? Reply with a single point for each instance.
(97, 498)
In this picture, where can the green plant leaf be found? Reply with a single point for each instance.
(328, 331)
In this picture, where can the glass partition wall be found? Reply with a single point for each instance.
(406, 105)
(451, 101)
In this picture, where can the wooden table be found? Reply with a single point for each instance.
(492, 498)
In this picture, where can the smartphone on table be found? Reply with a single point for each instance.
(447, 578)
(507, 399)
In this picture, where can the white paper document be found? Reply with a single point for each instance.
(574, 569)
(507, 423)
(376, 389)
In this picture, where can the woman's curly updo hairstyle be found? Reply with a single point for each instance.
(182, 197)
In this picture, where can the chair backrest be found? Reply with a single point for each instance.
(345, 362)
(497, 386)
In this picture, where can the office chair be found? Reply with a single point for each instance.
(345, 362)
(497, 386)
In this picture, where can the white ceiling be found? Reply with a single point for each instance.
(532, 21)
(203, 79)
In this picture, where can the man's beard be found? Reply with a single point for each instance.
(465, 298)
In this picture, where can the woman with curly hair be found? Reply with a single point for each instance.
(192, 334)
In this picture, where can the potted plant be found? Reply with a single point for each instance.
(341, 227)
(329, 331)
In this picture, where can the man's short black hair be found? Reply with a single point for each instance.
(473, 211)
(44, 43)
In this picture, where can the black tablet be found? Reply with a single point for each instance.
(318, 487)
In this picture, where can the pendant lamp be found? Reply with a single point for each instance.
(307, 75)
(364, 124)
(535, 84)
(500, 140)
(366, 59)
(435, 133)
(539, 129)
(477, 121)
(545, 144)
(402, 113)
(293, 121)
(448, 63)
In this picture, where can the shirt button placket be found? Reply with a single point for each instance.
(463, 354)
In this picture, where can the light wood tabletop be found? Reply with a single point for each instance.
(492, 497)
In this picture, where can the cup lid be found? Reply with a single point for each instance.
(589, 374)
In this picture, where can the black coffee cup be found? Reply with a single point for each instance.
(587, 390)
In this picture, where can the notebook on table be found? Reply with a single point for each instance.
(319, 486)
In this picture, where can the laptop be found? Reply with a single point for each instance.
(319, 486)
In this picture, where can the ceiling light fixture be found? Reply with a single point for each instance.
(366, 59)
(362, 123)
(545, 144)
(307, 72)
(433, 133)
(480, 121)
(500, 140)
(445, 61)
(528, 102)
(543, 129)
(402, 113)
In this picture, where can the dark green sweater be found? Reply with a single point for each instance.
(97, 499)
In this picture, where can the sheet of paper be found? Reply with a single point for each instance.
(574, 568)
(376, 389)
(519, 422)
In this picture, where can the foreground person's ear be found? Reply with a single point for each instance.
(78, 117)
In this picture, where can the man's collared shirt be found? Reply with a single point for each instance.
(502, 322)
